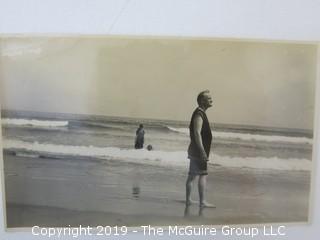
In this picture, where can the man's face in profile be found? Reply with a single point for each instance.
(207, 100)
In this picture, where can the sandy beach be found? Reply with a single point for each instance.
(62, 192)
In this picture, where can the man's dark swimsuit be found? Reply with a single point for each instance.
(197, 165)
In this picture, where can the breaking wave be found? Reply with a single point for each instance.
(33, 123)
(249, 137)
(158, 158)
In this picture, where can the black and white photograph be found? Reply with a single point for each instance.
(131, 131)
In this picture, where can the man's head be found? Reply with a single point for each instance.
(204, 99)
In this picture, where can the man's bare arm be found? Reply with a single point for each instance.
(197, 125)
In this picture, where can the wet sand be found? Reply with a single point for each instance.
(74, 191)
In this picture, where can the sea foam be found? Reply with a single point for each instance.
(158, 158)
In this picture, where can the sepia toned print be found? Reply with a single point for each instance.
(96, 130)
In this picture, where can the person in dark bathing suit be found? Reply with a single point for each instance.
(199, 148)
(139, 141)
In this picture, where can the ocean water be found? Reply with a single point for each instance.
(44, 135)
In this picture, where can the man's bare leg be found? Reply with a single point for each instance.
(189, 184)
(201, 187)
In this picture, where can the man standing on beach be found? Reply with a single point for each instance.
(199, 148)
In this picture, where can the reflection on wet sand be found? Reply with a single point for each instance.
(187, 213)
(135, 192)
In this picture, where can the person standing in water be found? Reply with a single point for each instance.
(199, 148)
(139, 141)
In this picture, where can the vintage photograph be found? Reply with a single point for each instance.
(131, 131)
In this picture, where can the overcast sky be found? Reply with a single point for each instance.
(267, 84)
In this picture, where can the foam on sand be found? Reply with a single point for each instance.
(158, 158)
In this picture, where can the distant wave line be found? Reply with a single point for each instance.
(33, 122)
(249, 136)
(216, 134)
